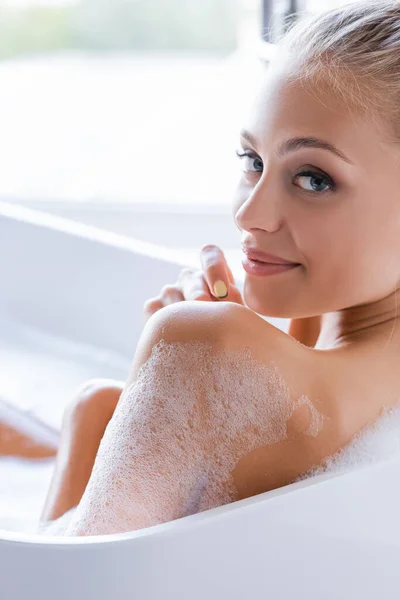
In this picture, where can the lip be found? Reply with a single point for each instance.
(258, 255)
(263, 269)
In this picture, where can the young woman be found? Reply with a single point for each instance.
(318, 208)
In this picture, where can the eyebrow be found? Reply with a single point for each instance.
(296, 143)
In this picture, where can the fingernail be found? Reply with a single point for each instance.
(220, 289)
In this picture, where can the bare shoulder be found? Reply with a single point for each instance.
(183, 322)
(280, 391)
(232, 325)
(277, 416)
(310, 376)
(297, 363)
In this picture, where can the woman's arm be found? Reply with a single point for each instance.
(151, 458)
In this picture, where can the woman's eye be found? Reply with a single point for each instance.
(312, 181)
(251, 162)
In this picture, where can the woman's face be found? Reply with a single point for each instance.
(320, 187)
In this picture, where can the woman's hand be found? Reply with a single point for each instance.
(212, 283)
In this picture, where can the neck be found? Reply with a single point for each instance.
(375, 322)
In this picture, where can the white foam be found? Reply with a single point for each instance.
(373, 443)
(178, 432)
(57, 526)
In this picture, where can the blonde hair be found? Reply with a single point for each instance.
(356, 50)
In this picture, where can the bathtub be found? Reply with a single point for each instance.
(330, 536)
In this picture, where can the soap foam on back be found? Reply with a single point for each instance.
(177, 433)
(372, 444)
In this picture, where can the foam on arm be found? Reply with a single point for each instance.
(150, 461)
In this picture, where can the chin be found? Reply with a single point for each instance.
(261, 306)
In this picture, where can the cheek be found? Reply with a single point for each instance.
(332, 249)
(351, 254)
(376, 242)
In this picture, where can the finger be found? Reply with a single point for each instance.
(216, 271)
(171, 294)
(231, 277)
(151, 306)
(193, 285)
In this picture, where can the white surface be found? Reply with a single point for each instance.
(23, 488)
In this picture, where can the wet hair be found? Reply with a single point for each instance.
(354, 49)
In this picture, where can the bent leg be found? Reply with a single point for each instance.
(84, 422)
(24, 436)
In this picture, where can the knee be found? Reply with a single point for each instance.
(97, 395)
(98, 386)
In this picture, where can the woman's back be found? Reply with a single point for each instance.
(351, 390)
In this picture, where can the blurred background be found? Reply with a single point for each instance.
(125, 114)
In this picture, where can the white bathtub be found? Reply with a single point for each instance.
(328, 537)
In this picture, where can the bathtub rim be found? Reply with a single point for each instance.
(190, 521)
(89, 232)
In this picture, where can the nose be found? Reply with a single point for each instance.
(262, 209)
